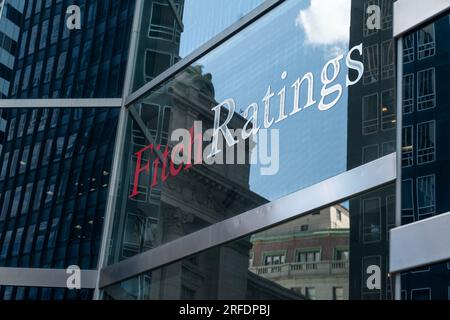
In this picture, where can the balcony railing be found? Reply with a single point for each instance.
(299, 268)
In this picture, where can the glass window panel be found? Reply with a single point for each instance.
(281, 262)
(306, 127)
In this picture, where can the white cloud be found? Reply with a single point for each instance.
(326, 22)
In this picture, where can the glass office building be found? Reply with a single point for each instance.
(186, 149)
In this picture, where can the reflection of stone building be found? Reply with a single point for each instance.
(192, 200)
(308, 255)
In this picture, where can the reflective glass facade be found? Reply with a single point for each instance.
(425, 158)
(199, 150)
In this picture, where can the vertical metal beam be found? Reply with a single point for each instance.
(398, 186)
(120, 141)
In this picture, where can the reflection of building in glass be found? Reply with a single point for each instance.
(425, 159)
(371, 134)
(308, 255)
(195, 198)
(10, 14)
(159, 39)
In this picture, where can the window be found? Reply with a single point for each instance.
(27, 198)
(388, 148)
(6, 243)
(38, 194)
(33, 39)
(29, 239)
(421, 294)
(274, 259)
(24, 160)
(162, 22)
(408, 93)
(388, 109)
(407, 200)
(341, 255)
(309, 256)
(386, 14)
(426, 196)
(32, 123)
(426, 42)
(387, 59)
(26, 77)
(368, 32)
(12, 126)
(4, 166)
(390, 212)
(5, 206)
(44, 32)
(338, 215)
(44, 118)
(426, 142)
(47, 152)
(35, 156)
(338, 293)
(426, 89)
(310, 293)
(156, 63)
(37, 73)
(370, 64)
(61, 65)
(407, 147)
(55, 29)
(304, 228)
(371, 220)
(408, 48)
(49, 69)
(17, 242)
(370, 114)
(14, 160)
(21, 127)
(370, 153)
(16, 201)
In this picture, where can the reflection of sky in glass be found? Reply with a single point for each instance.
(203, 19)
(312, 142)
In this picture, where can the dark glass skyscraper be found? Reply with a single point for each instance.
(55, 163)
(371, 134)
(425, 157)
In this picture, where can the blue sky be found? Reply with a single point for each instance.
(291, 38)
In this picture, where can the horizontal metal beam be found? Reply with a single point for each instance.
(44, 278)
(420, 244)
(322, 194)
(409, 14)
(60, 103)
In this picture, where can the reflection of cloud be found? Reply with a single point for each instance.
(326, 22)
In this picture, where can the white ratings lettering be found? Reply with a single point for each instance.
(374, 279)
(374, 19)
(73, 21)
(74, 280)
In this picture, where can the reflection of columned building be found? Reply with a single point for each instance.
(308, 255)
(198, 197)
(371, 134)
